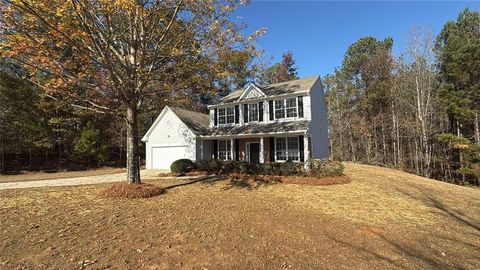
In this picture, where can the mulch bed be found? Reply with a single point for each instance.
(193, 173)
(298, 180)
(131, 191)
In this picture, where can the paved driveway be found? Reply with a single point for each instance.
(76, 181)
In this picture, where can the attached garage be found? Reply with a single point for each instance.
(163, 156)
(173, 136)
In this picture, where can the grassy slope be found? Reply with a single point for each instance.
(383, 219)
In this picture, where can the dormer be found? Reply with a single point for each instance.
(251, 91)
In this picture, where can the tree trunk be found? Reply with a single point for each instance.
(133, 165)
(477, 128)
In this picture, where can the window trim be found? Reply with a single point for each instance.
(284, 101)
(228, 153)
(286, 148)
(280, 109)
(226, 115)
(296, 108)
(257, 114)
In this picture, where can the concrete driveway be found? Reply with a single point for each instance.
(76, 181)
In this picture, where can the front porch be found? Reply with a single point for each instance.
(257, 149)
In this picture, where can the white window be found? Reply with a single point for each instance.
(286, 108)
(252, 112)
(230, 115)
(279, 109)
(224, 150)
(291, 107)
(226, 115)
(287, 149)
(221, 116)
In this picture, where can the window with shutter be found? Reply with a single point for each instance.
(260, 111)
(300, 106)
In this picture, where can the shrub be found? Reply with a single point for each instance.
(248, 168)
(288, 168)
(267, 168)
(225, 167)
(215, 166)
(182, 166)
(326, 168)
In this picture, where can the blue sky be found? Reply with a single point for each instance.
(319, 32)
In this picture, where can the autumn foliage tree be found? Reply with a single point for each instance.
(283, 71)
(115, 56)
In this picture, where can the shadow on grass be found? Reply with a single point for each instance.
(427, 197)
(452, 244)
(251, 182)
(438, 251)
(248, 182)
(204, 180)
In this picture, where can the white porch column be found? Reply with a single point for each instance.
(262, 154)
(201, 148)
(306, 153)
(232, 148)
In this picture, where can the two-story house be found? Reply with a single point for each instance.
(273, 123)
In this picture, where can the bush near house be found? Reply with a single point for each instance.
(326, 168)
(319, 168)
(182, 166)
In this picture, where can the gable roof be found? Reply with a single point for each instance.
(288, 87)
(197, 122)
(251, 91)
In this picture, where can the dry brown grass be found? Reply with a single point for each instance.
(315, 181)
(383, 219)
(131, 191)
(33, 176)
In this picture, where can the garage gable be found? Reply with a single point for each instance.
(168, 128)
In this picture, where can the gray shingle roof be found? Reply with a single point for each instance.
(276, 89)
(197, 122)
(259, 128)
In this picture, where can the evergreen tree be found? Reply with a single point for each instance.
(281, 72)
(458, 49)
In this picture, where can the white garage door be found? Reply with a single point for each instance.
(162, 157)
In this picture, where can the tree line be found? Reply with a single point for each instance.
(81, 81)
(418, 111)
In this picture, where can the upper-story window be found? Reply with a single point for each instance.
(226, 115)
(253, 112)
(291, 107)
(286, 108)
(279, 109)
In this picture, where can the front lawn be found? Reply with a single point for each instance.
(382, 219)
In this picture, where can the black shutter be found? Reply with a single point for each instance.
(245, 113)
(260, 111)
(237, 149)
(237, 114)
(301, 148)
(272, 149)
(300, 107)
(270, 109)
(215, 112)
(215, 149)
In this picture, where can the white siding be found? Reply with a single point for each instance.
(319, 123)
(170, 131)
